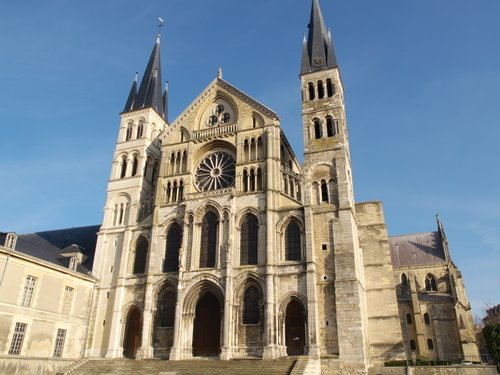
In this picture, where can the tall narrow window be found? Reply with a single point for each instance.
(311, 91)
(123, 171)
(409, 319)
(259, 179)
(251, 306)
(140, 130)
(246, 150)
(166, 309)
(413, 345)
(249, 240)
(141, 253)
(427, 319)
(174, 241)
(29, 291)
(252, 180)
(321, 90)
(67, 300)
(324, 192)
(317, 129)
(134, 166)
(260, 149)
(60, 338)
(180, 194)
(292, 241)
(430, 283)
(18, 338)
(184, 162)
(129, 132)
(330, 129)
(330, 88)
(208, 243)
(430, 344)
(245, 181)
(404, 279)
(253, 150)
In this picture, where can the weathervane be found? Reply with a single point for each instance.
(160, 25)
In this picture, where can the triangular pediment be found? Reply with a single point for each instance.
(199, 115)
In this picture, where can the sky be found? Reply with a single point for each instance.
(422, 92)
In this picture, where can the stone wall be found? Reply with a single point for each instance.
(31, 366)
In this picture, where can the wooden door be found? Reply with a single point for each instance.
(206, 329)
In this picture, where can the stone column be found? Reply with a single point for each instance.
(115, 345)
(146, 348)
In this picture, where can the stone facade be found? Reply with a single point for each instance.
(216, 241)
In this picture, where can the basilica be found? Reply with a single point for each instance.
(217, 242)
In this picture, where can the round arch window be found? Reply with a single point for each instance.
(215, 171)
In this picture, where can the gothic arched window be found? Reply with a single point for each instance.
(251, 306)
(174, 241)
(430, 283)
(409, 319)
(249, 240)
(141, 253)
(166, 309)
(293, 241)
(208, 243)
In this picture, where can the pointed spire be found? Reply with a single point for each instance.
(442, 236)
(165, 102)
(318, 53)
(150, 90)
(131, 96)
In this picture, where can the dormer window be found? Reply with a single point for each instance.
(73, 263)
(10, 241)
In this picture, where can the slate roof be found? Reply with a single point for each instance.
(421, 249)
(49, 245)
(149, 93)
(318, 44)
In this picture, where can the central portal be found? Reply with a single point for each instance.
(206, 329)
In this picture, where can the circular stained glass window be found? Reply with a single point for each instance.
(215, 171)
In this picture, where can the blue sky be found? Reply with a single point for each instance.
(422, 83)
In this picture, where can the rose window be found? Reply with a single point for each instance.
(219, 116)
(215, 171)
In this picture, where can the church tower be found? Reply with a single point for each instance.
(332, 244)
(129, 202)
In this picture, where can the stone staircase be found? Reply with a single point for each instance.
(282, 366)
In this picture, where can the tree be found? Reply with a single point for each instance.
(491, 333)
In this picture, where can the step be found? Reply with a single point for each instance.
(185, 367)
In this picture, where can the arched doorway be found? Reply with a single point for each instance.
(295, 328)
(206, 328)
(132, 337)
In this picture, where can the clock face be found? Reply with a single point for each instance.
(215, 171)
(317, 61)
